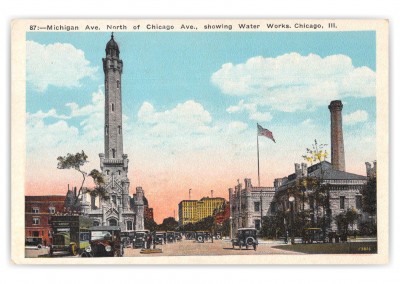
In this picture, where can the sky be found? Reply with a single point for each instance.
(191, 103)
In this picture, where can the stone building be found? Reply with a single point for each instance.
(343, 189)
(249, 204)
(115, 207)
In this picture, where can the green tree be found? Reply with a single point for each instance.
(71, 161)
(369, 197)
(169, 224)
(99, 181)
(150, 224)
(344, 219)
(319, 198)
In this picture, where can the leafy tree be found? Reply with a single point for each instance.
(344, 219)
(169, 224)
(369, 197)
(99, 181)
(320, 196)
(75, 162)
(150, 225)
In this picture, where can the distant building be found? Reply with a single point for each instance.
(192, 211)
(249, 204)
(343, 189)
(38, 210)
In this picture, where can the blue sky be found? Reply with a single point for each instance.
(191, 102)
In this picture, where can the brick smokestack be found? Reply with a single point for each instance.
(337, 145)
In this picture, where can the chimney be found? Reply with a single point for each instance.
(297, 170)
(337, 145)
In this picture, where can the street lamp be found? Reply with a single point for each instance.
(291, 201)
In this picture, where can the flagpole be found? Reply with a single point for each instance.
(258, 159)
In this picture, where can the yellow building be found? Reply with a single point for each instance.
(192, 211)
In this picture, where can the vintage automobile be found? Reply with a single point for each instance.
(33, 242)
(218, 235)
(202, 236)
(104, 241)
(171, 237)
(159, 238)
(139, 239)
(313, 235)
(178, 236)
(190, 235)
(246, 237)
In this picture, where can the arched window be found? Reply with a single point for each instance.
(112, 107)
(96, 223)
(113, 153)
(118, 84)
(119, 173)
(119, 129)
(112, 222)
(129, 225)
(107, 172)
(106, 129)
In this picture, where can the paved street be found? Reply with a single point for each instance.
(220, 247)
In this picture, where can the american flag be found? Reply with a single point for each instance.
(265, 132)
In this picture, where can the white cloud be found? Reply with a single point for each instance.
(251, 109)
(187, 117)
(40, 115)
(355, 117)
(293, 82)
(237, 126)
(58, 64)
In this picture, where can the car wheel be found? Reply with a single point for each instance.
(218, 237)
(200, 239)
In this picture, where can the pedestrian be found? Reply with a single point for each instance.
(45, 242)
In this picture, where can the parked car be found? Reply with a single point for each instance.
(171, 237)
(190, 235)
(159, 238)
(139, 239)
(246, 237)
(203, 236)
(34, 242)
(178, 236)
(313, 235)
(104, 241)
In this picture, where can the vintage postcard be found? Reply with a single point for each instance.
(178, 141)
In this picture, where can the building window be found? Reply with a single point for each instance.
(107, 172)
(112, 222)
(342, 198)
(358, 201)
(256, 206)
(129, 226)
(36, 221)
(257, 224)
(35, 210)
(119, 173)
(52, 210)
(114, 199)
(96, 223)
(113, 153)
(118, 84)
(106, 129)
(119, 129)
(112, 107)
